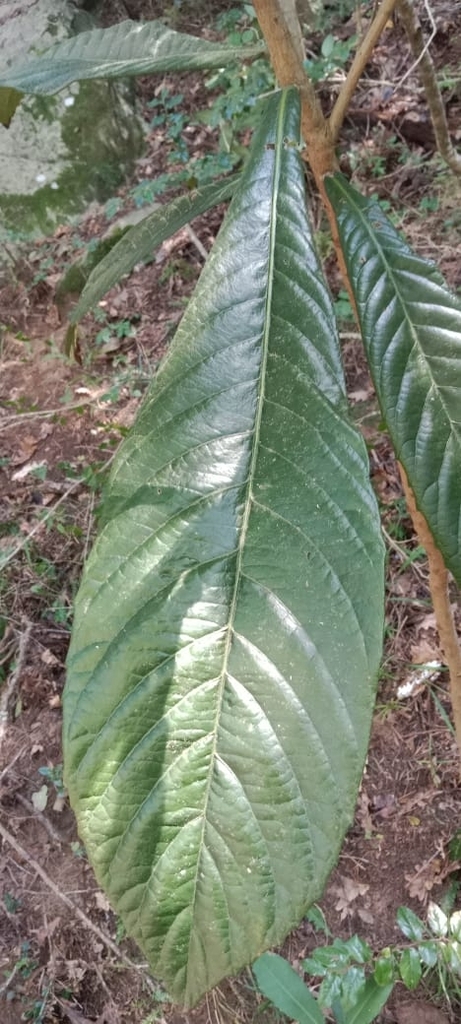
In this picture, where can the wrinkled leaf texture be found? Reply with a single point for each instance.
(411, 328)
(228, 627)
(140, 242)
(128, 48)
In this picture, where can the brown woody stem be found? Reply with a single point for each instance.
(438, 583)
(358, 65)
(286, 52)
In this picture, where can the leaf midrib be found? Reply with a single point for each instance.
(252, 465)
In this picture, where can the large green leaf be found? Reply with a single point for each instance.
(140, 242)
(411, 327)
(129, 48)
(228, 627)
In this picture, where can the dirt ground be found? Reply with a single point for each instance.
(63, 954)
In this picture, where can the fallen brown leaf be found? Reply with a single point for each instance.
(26, 449)
(348, 891)
(424, 878)
(424, 651)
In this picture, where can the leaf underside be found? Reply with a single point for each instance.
(228, 627)
(128, 48)
(141, 241)
(411, 328)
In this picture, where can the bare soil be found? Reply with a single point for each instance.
(63, 955)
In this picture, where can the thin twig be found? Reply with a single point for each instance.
(5, 771)
(49, 513)
(86, 921)
(39, 816)
(360, 61)
(424, 62)
(10, 688)
(7, 983)
(196, 241)
(418, 51)
(41, 414)
(438, 584)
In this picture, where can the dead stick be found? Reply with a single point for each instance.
(424, 62)
(10, 688)
(86, 921)
(438, 583)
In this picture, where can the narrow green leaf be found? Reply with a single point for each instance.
(410, 924)
(9, 100)
(279, 982)
(410, 967)
(228, 628)
(140, 241)
(128, 48)
(411, 327)
(370, 1001)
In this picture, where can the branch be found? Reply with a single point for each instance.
(284, 41)
(360, 61)
(281, 30)
(438, 583)
(423, 61)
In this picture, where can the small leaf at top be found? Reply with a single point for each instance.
(128, 48)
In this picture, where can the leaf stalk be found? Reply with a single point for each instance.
(438, 584)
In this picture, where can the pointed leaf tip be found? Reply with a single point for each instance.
(126, 49)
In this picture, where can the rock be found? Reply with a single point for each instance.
(61, 151)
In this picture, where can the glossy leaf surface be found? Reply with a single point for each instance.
(279, 982)
(369, 1003)
(141, 241)
(228, 628)
(128, 48)
(411, 327)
